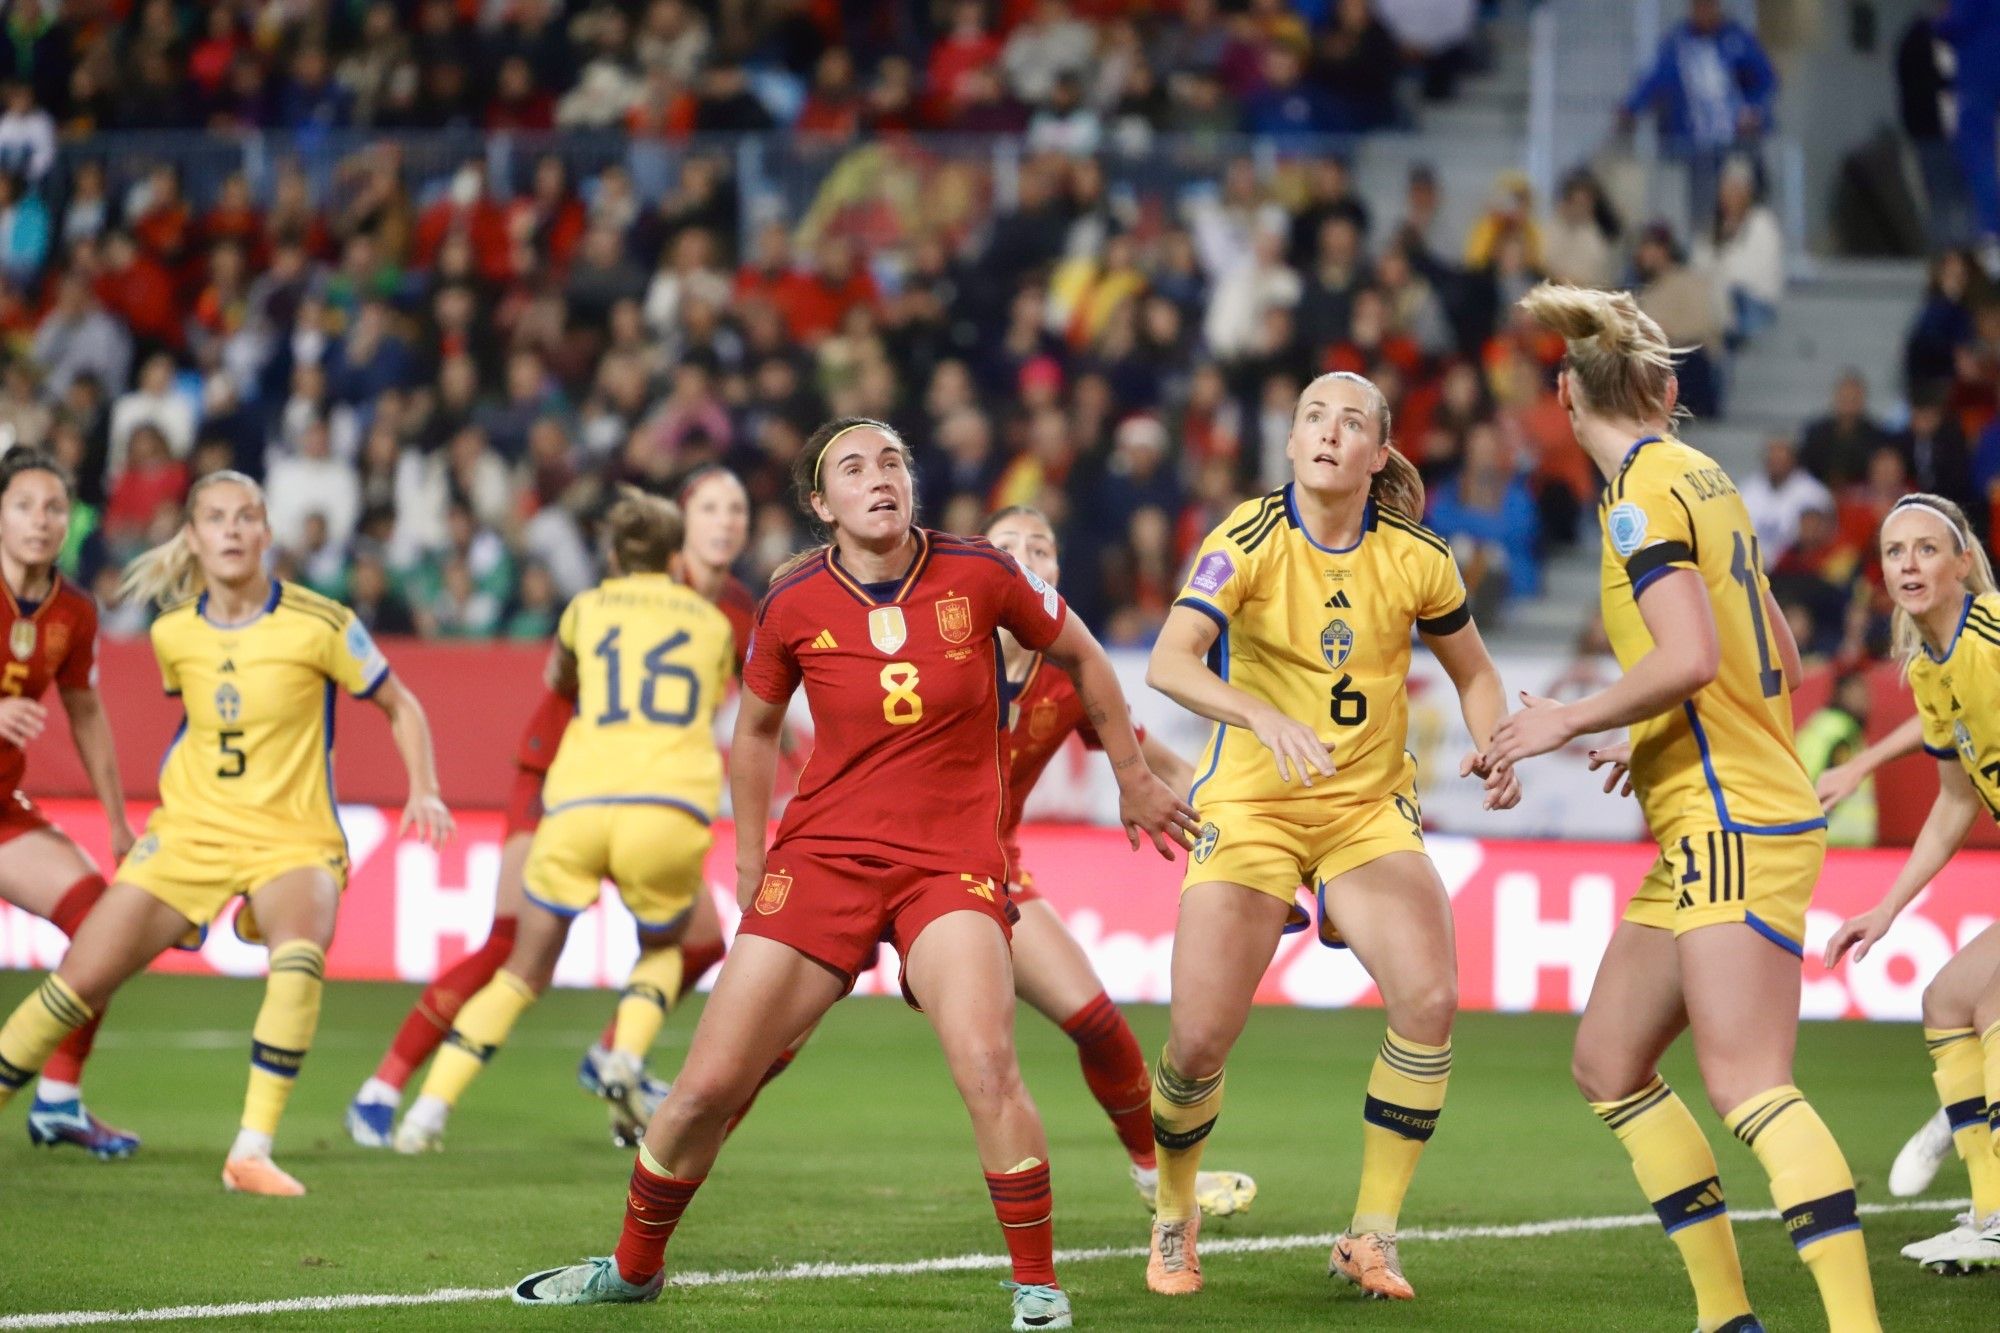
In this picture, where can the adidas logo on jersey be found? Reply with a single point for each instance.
(825, 640)
(1339, 599)
(228, 667)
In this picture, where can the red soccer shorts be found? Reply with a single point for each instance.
(19, 815)
(836, 909)
(524, 802)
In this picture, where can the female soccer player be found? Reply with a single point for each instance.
(1051, 971)
(51, 630)
(1293, 635)
(1946, 634)
(1713, 938)
(246, 802)
(894, 835)
(716, 514)
(630, 797)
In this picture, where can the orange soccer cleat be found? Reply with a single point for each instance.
(1369, 1261)
(259, 1175)
(1173, 1268)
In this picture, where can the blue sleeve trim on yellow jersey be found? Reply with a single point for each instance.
(1937, 752)
(1771, 933)
(368, 691)
(1195, 603)
(673, 801)
(1451, 622)
(1715, 790)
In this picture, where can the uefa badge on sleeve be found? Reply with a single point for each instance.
(1626, 524)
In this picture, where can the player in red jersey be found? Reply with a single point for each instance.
(1051, 971)
(50, 627)
(717, 512)
(894, 836)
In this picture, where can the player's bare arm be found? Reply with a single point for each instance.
(1145, 803)
(1166, 763)
(1843, 780)
(1944, 832)
(1482, 699)
(1179, 670)
(90, 729)
(753, 769)
(425, 811)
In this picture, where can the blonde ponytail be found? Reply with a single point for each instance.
(1906, 637)
(168, 574)
(1617, 353)
(1398, 486)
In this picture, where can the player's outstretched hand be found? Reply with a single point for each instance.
(21, 720)
(1147, 805)
(428, 818)
(122, 838)
(1503, 787)
(1540, 726)
(1838, 783)
(1295, 746)
(1619, 757)
(1858, 933)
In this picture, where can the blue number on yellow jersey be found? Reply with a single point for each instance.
(1323, 635)
(253, 762)
(652, 658)
(1958, 698)
(1724, 759)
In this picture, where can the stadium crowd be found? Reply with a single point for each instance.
(438, 368)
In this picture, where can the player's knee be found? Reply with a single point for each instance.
(1427, 1014)
(698, 1098)
(988, 1076)
(1603, 1077)
(1943, 1007)
(93, 986)
(1199, 1049)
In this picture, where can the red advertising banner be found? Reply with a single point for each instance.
(1533, 918)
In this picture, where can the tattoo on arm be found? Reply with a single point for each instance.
(1122, 764)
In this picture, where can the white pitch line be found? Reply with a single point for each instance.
(905, 1268)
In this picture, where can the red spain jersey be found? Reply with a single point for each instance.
(54, 639)
(550, 719)
(904, 684)
(1045, 709)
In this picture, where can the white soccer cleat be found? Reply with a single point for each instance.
(422, 1128)
(593, 1282)
(1963, 1229)
(1916, 1166)
(1966, 1248)
(1216, 1193)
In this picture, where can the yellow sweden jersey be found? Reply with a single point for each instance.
(1957, 699)
(1724, 759)
(253, 762)
(652, 658)
(1324, 636)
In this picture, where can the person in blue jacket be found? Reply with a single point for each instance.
(1973, 29)
(1712, 87)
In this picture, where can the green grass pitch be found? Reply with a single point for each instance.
(862, 1153)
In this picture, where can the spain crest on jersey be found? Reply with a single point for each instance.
(771, 893)
(56, 642)
(1336, 641)
(886, 629)
(954, 615)
(21, 639)
(1042, 719)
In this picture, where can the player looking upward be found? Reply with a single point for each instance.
(247, 806)
(51, 633)
(894, 835)
(715, 512)
(1293, 635)
(1713, 938)
(630, 798)
(1947, 636)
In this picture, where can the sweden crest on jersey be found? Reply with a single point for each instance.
(228, 703)
(1961, 738)
(1336, 641)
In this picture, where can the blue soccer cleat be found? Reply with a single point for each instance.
(590, 1070)
(371, 1124)
(52, 1124)
(1038, 1307)
(592, 1282)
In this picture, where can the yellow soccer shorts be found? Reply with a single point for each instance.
(197, 876)
(652, 851)
(1709, 876)
(1275, 849)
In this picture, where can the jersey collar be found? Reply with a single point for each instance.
(48, 598)
(270, 605)
(1951, 647)
(1637, 445)
(902, 590)
(1292, 515)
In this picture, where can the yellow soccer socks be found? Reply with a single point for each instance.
(647, 999)
(1814, 1192)
(1961, 1083)
(1676, 1169)
(283, 1032)
(33, 1031)
(1184, 1111)
(482, 1028)
(1405, 1095)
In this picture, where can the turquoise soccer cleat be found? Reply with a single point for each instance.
(52, 1124)
(596, 1282)
(1037, 1306)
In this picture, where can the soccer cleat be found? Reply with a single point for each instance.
(422, 1128)
(259, 1175)
(1370, 1262)
(1917, 1163)
(371, 1124)
(1963, 1228)
(592, 1282)
(590, 1070)
(1217, 1193)
(1036, 1306)
(1973, 1244)
(52, 1124)
(1173, 1268)
(1743, 1323)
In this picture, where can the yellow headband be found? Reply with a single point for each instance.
(820, 462)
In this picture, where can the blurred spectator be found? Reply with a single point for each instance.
(1745, 250)
(1862, 507)
(1836, 447)
(1064, 123)
(965, 47)
(1778, 495)
(1926, 70)
(77, 338)
(1436, 36)
(536, 608)
(1813, 576)
(1050, 42)
(1582, 234)
(156, 401)
(146, 496)
(1288, 104)
(1247, 290)
(1355, 58)
(374, 597)
(1973, 29)
(1510, 213)
(1487, 514)
(1683, 301)
(1943, 322)
(1936, 456)
(27, 134)
(1834, 734)
(24, 229)
(1713, 89)
(312, 481)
